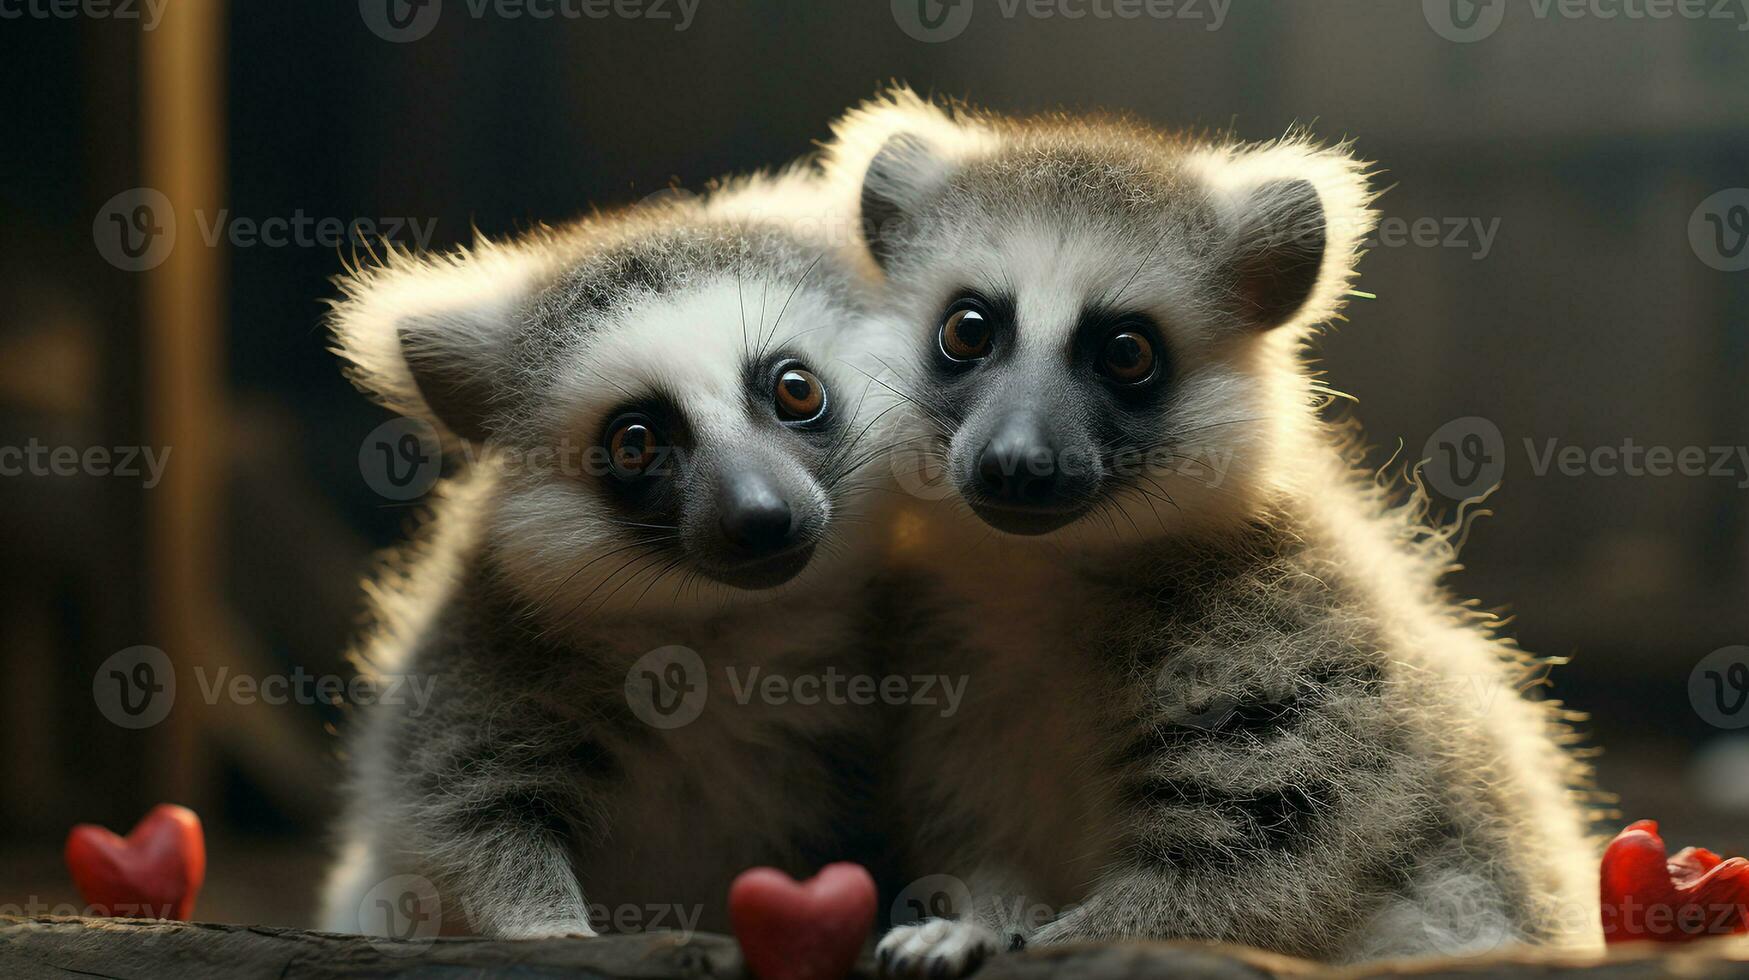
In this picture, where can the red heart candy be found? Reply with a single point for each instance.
(810, 930)
(154, 873)
(1671, 899)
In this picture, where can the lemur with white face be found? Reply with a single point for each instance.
(1214, 688)
(664, 440)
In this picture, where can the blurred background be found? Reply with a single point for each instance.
(1561, 272)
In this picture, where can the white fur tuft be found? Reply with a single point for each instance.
(474, 290)
(952, 135)
(1344, 190)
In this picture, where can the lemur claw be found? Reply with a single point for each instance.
(940, 949)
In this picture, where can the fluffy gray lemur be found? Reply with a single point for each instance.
(1214, 686)
(662, 440)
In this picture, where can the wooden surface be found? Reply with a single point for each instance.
(136, 949)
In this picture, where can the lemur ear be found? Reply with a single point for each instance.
(888, 155)
(1276, 251)
(450, 356)
(1292, 220)
(429, 337)
(898, 181)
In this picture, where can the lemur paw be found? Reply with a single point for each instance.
(545, 930)
(939, 949)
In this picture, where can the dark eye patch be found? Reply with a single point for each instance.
(639, 452)
(972, 328)
(1127, 349)
(787, 389)
(1121, 363)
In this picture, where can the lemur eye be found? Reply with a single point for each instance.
(1128, 358)
(800, 395)
(965, 334)
(631, 446)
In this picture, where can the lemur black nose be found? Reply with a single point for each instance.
(753, 514)
(1018, 465)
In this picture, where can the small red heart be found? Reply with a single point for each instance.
(154, 873)
(1649, 894)
(810, 930)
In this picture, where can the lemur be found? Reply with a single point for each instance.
(1215, 687)
(661, 442)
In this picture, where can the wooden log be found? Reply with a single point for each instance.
(64, 947)
(55, 946)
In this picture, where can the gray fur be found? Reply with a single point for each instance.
(1233, 756)
(529, 797)
(1229, 703)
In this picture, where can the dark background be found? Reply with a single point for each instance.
(1585, 142)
